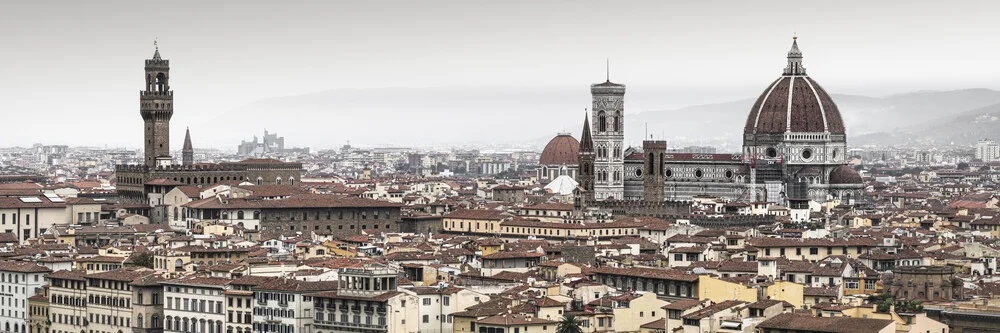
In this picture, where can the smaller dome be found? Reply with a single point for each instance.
(845, 174)
(563, 185)
(561, 150)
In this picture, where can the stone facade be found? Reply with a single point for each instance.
(340, 217)
(132, 179)
(794, 134)
(608, 111)
(156, 109)
(652, 174)
(156, 105)
(925, 283)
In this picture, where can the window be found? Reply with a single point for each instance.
(813, 251)
(851, 284)
(447, 301)
(427, 318)
(674, 314)
(869, 284)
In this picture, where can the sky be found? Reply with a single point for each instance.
(70, 71)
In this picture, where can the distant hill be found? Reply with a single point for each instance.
(530, 116)
(869, 120)
(964, 128)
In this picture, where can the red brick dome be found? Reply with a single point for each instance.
(845, 174)
(562, 149)
(794, 103)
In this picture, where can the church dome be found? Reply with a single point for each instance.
(562, 185)
(845, 174)
(561, 150)
(794, 103)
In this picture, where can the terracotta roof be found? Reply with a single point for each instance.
(795, 322)
(477, 214)
(336, 295)
(845, 174)
(561, 150)
(22, 267)
(683, 304)
(654, 273)
(77, 275)
(295, 201)
(712, 309)
(512, 254)
(164, 182)
(508, 319)
(811, 110)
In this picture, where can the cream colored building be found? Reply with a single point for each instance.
(68, 301)
(194, 304)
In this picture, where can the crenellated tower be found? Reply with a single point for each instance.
(156, 105)
(654, 174)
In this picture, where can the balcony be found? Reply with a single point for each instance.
(333, 325)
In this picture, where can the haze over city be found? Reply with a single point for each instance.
(397, 166)
(391, 72)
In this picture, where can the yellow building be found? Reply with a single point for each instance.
(719, 290)
(631, 310)
(38, 310)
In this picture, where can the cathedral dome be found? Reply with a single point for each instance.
(845, 174)
(561, 150)
(794, 103)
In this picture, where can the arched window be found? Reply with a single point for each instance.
(260, 181)
(161, 82)
(277, 181)
(138, 320)
(602, 122)
(256, 215)
(154, 321)
(176, 216)
(291, 181)
(617, 121)
(239, 215)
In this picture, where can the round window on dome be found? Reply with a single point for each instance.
(729, 174)
(835, 151)
(771, 152)
(638, 172)
(698, 173)
(807, 154)
(667, 173)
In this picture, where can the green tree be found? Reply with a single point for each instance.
(569, 324)
(144, 259)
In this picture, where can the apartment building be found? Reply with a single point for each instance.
(194, 304)
(19, 280)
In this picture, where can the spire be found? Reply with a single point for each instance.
(795, 59)
(156, 55)
(187, 140)
(607, 69)
(187, 153)
(586, 142)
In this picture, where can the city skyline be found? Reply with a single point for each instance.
(670, 55)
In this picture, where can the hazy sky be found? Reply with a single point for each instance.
(70, 71)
